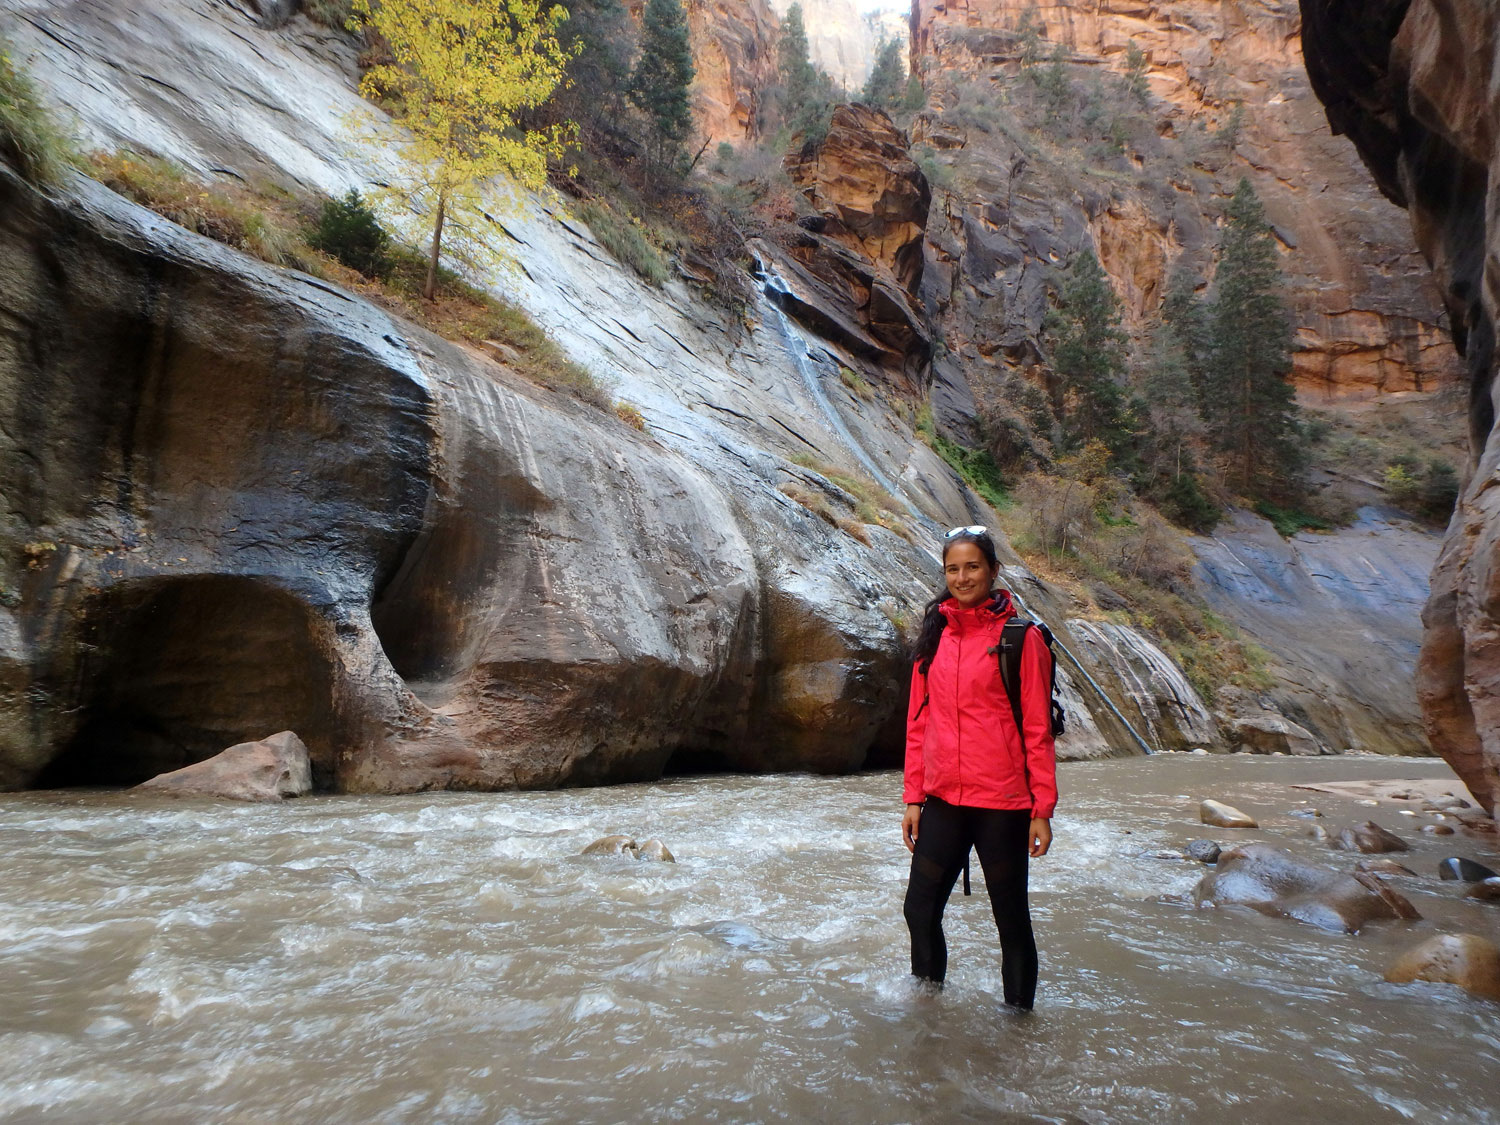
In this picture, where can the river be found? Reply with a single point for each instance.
(451, 957)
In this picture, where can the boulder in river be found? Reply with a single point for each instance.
(1204, 851)
(1221, 815)
(1486, 890)
(1436, 830)
(1383, 867)
(1463, 870)
(1371, 838)
(655, 849)
(1275, 882)
(611, 845)
(1467, 960)
(269, 770)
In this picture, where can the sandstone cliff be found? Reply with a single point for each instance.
(241, 500)
(1412, 85)
(1367, 320)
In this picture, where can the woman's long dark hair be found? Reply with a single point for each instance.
(933, 621)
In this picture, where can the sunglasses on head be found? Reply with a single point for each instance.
(972, 529)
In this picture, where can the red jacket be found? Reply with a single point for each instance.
(963, 745)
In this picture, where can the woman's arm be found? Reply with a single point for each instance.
(1036, 719)
(914, 789)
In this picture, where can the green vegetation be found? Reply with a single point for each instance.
(1089, 351)
(886, 87)
(872, 504)
(461, 77)
(631, 415)
(626, 240)
(349, 231)
(30, 137)
(662, 75)
(855, 383)
(805, 100)
(330, 13)
(274, 225)
(1289, 521)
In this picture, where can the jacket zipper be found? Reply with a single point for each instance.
(958, 731)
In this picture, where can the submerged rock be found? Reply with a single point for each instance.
(1467, 960)
(1464, 870)
(1436, 830)
(269, 770)
(1275, 882)
(1204, 851)
(1383, 867)
(611, 845)
(1486, 890)
(1221, 815)
(655, 849)
(1371, 838)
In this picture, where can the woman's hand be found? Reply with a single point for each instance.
(1040, 838)
(909, 826)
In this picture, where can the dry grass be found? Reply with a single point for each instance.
(872, 504)
(271, 224)
(630, 415)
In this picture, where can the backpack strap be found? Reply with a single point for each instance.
(1012, 638)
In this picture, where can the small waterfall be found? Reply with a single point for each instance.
(774, 292)
(1172, 709)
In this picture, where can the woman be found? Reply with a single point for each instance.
(972, 779)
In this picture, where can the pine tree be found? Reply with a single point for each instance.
(463, 73)
(659, 85)
(1185, 318)
(601, 37)
(1170, 406)
(1249, 405)
(887, 82)
(806, 92)
(1088, 359)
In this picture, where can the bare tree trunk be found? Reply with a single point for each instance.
(437, 246)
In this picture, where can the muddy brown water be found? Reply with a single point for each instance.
(452, 958)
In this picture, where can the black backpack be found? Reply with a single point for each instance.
(1012, 637)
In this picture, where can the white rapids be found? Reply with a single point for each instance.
(451, 957)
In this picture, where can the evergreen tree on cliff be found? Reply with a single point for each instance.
(887, 82)
(1089, 350)
(600, 36)
(463, 72)
(659, 85)
(806, 92)
(1249, 405)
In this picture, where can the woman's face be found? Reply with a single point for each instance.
(969, 576)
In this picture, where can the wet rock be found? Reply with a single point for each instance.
(1446, 804)
(1370, 837)
(1204, 851)
(1436, 830)
(1274, 882)
(1463, 870)
(1486, 890)
(1317, 832)
(655, 849)
(1383, 867)
(611, 845)
(269, 770)
(1306, 812)
(1467, 960)
(1221, 815)
(1268, 733)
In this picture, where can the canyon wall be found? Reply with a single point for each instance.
(1367, 318)
(240, 499)
(1412, 85)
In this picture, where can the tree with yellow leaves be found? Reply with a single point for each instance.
(462, 72)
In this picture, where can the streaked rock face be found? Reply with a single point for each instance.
(1413, 86)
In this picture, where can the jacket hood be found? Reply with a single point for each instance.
(1000, 607)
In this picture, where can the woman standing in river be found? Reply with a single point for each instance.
(973, 780)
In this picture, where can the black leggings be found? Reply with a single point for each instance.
(1001, 837)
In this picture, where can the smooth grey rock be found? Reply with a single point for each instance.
(1464, 870)
(1371, 838)
(1204, 851)
(271, 769)
(1274, 882)
(1220, 815)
